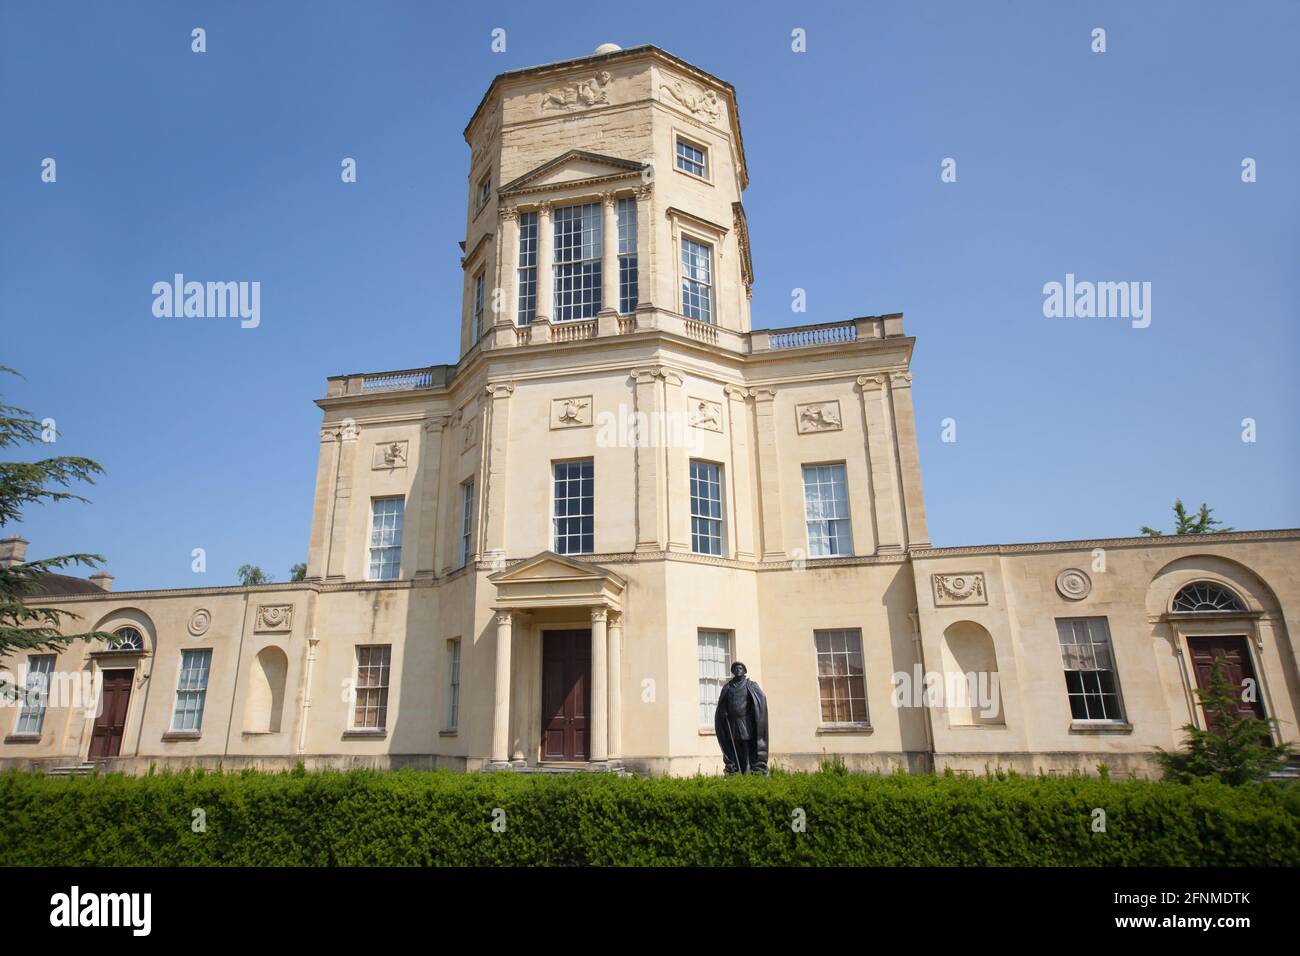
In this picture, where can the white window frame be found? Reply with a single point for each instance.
(394, 540)
(706, 172)
(693, 286)
(193, 681)
(1087, 654)
(453, 684)
(385, 668)
(587, 271)
(556, 518)
(35, 700)
(526, 275)
(628, 276)
(466, 521)
(480, 301)
(832, 657)
(713, 669)
(819, 542)
(697, 515)
(484, 191)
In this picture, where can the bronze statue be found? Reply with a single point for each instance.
(740, 722)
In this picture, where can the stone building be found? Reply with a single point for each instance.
(549, 552)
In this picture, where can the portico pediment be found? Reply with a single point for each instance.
(552, 580)
(575, 168)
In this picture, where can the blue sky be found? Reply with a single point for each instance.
(1124, 165)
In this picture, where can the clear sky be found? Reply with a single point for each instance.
(1115, 166)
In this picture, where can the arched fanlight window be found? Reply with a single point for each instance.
(127, 639)
(1207, 596)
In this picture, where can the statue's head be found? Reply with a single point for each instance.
(738, 669)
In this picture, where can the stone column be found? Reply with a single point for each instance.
(649, 536)
(909, 463)
(769, 474)
(336, 566)
(495, 443)
(426, 532)
(609, 265)
(885, 503)
(327, 467)
(644, 233)
(677, 467)
(615, 685)
(501, 697)
(741, 498)
(545, 255)
(508, 272)
(599, 715)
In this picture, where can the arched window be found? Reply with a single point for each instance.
(127, 639)
(1207, 596)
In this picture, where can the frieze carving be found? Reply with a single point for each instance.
(966, 587)
(469, 433)
(578, 95)
(274, 617)
(571, 412)
(819, 417)
(389, 455)
(706, 414)
(697, 102)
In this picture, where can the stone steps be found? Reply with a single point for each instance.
(75, 770)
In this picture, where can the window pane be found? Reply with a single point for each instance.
(574, 507)
(841, 676)
(826, 511)
(706, 507)
(577, 252)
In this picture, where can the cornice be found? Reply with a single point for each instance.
(1138, 541)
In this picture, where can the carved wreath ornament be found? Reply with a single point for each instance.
(965, 588)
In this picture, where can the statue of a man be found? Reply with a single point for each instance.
(740, 722)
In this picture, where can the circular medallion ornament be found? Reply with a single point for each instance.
(1073, 585)
(200, 620)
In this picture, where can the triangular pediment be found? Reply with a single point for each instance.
(549, 566)
(575, 167)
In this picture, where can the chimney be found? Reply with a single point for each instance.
(103, 580)
(13, 550)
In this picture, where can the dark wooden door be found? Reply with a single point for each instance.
(1237, 669)
(110, 724)
(566, 694)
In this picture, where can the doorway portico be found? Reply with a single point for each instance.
(561, 699)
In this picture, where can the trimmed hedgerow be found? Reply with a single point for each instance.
(445, 819)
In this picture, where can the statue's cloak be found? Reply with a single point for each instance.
(727, 738)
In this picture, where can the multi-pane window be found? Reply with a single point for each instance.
(578, 236)
(480, 295)
(706, 507)
(527, 267)
(386, 538)
(453, 683)
(484, 190)
(1089, 668)
(371, 711)
(192, 689)
(36, 687)
(826, 509)
(715, 660)
(691, 158)
(697, 280)
(574, 507)
(466, 522)
(627, 275)
(841, 677)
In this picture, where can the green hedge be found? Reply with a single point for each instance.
(418, 818)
